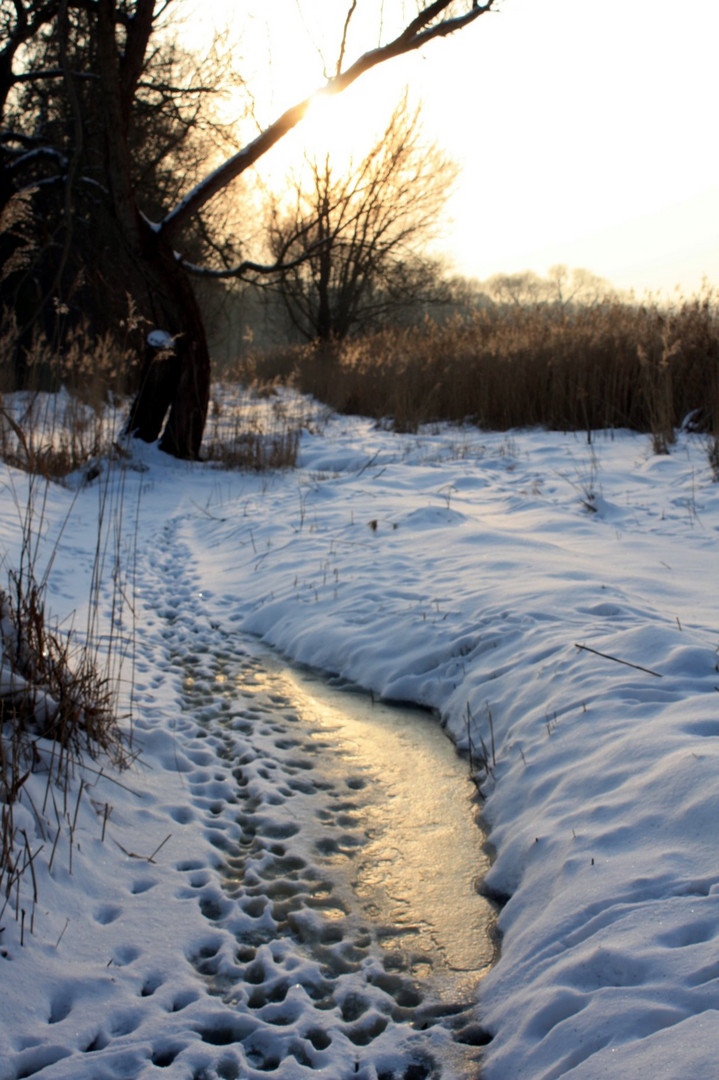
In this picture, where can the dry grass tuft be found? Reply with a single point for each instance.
(67, 411)
(258, 427)
(49, 690)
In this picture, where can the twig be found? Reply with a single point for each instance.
(587, 648)
(77, 805)
(54, 848)
(150, 858)
(491, 734)
(31, 864)
(106, 776)
(145, 858)
(368, 463)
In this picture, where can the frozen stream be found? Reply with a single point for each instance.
(349, 882)
(417, 870)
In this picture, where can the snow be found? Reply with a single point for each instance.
(553, 601)
(160, 339)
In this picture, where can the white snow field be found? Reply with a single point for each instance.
(190, 931)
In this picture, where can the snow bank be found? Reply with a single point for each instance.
(464, 571)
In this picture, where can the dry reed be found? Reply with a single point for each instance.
(610, 364)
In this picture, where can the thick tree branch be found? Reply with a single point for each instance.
(133, 58)
(122, 18)
(420, 32)
(247, 266)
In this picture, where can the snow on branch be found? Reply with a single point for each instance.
(35, 155)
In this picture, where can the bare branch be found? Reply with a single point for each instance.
(345, 31)
(37, 154)
(51, 73)
(247, 266)
(138, 36)
(122, 18)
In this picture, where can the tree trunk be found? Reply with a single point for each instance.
(176, 379)
(323, 275)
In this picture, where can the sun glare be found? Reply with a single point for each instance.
(333, 124)
(344, 125)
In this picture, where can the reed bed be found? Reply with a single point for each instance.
(607, 365)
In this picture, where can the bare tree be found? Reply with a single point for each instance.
(561, 287)
(352, 246)
(115, 39)
(576, 286)
(518, 289)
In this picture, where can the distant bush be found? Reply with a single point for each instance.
(610, 364)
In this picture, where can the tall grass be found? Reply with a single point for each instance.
(254, 427)
(608, 365)
(58, 693)
(58, 685)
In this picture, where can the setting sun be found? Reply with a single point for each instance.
(344, 125)
(334, 124)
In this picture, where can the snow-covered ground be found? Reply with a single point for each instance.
(480, 574)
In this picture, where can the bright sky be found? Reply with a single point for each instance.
(586, 132)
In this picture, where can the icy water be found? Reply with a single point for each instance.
(417, 870)
(351, 883)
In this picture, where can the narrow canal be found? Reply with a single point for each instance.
(350, 881)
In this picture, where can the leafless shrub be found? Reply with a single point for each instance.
(46, 691)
